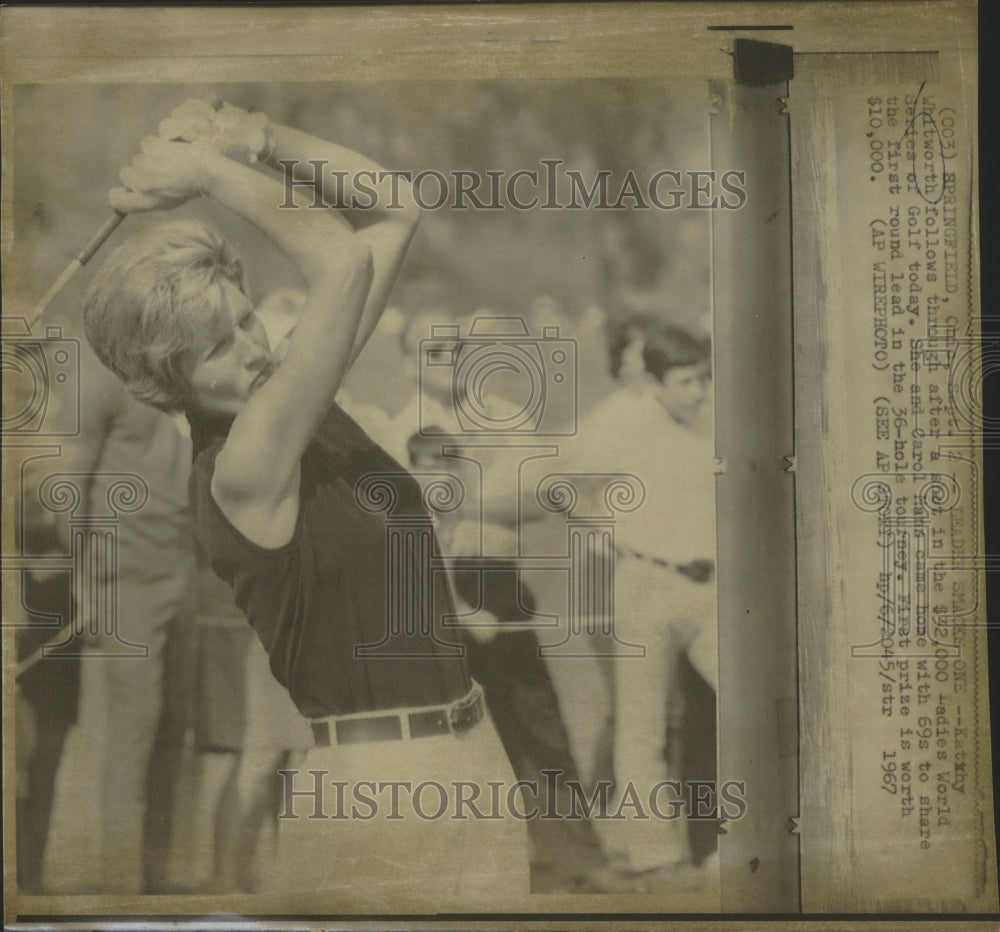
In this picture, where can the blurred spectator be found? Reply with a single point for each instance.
(47, 696)
(152, 578)
(243, 726)
(497, 613)
(665, 551)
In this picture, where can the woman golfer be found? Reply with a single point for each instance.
(382, 803)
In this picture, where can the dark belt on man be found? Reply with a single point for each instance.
(698, 571)
(454, 718)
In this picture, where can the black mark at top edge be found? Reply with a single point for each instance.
(748, 28)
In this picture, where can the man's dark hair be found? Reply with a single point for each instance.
(665, 345)
(624, 333)
(671, 347)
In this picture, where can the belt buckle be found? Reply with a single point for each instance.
(465, 713)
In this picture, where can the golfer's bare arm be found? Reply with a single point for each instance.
(256, 479)
(348, 275)
(378, 205)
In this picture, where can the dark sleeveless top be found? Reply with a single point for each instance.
(322, 595)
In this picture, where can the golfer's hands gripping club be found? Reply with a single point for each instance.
(235, 133)
(163, 175)
(194, 142)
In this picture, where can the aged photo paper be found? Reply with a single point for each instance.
(491, 466)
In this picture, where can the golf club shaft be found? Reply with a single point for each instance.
(82, 258)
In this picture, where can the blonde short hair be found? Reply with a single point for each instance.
(148, 301)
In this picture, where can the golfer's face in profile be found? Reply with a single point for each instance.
(232, 359)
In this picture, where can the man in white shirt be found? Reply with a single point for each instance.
(664, 573)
